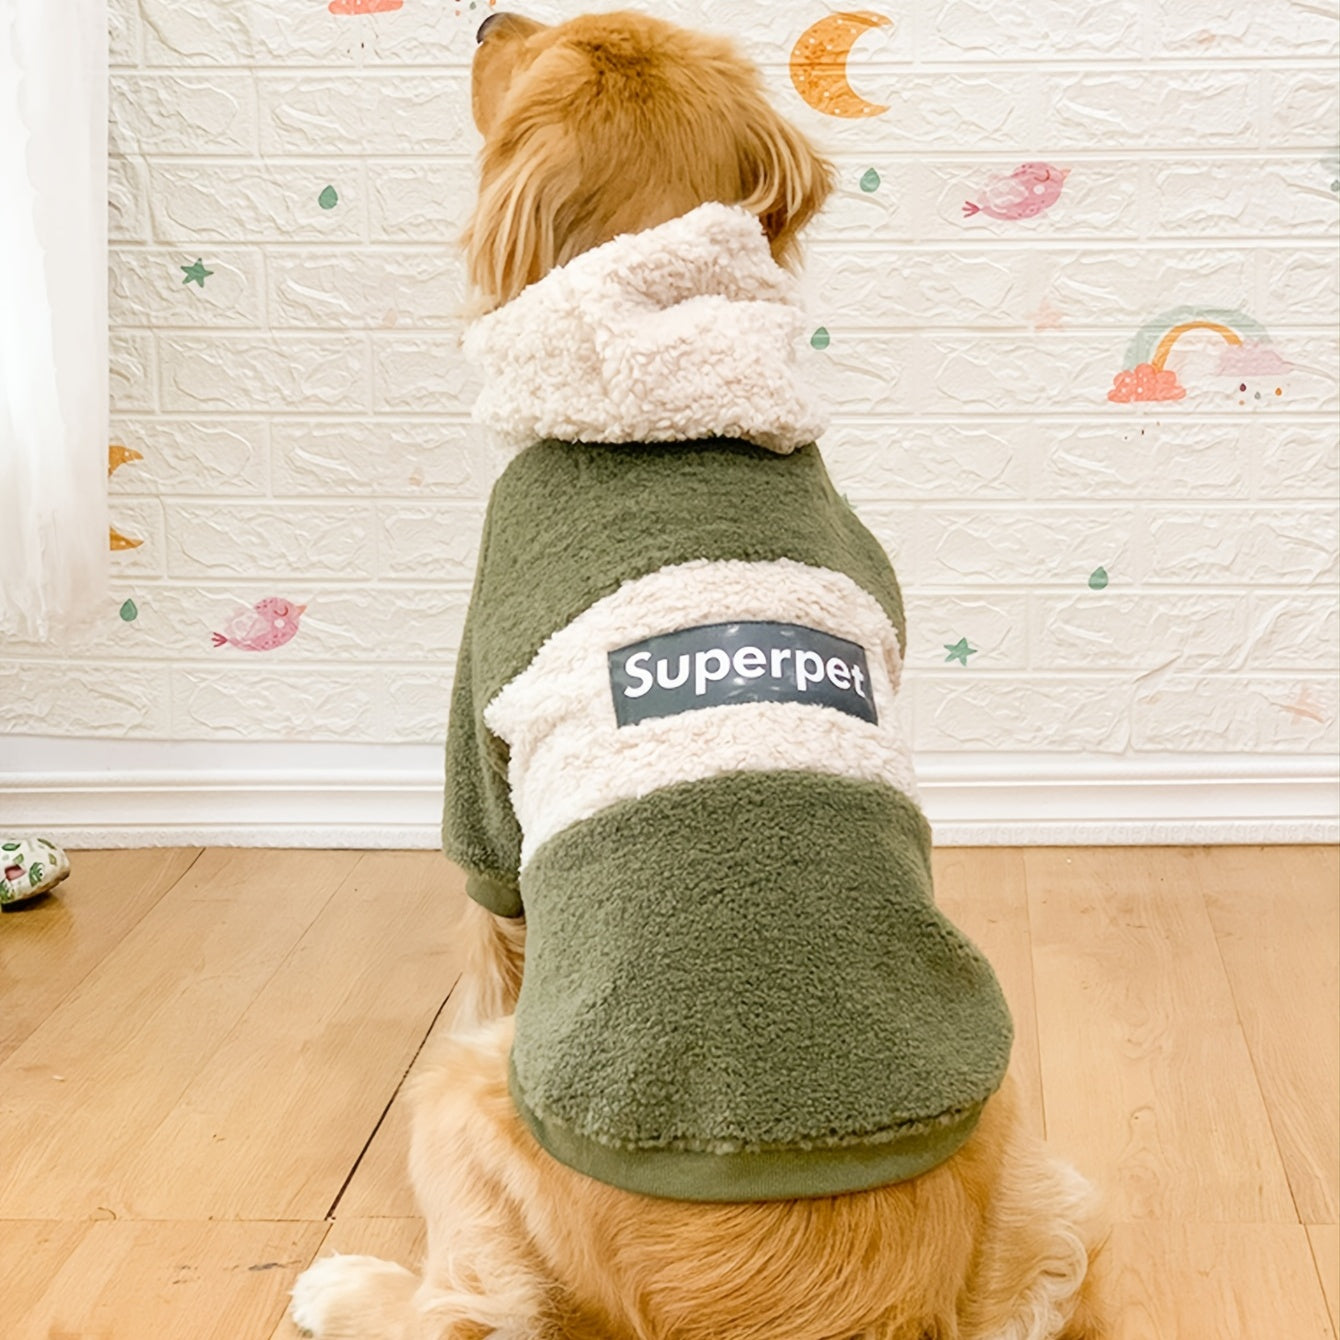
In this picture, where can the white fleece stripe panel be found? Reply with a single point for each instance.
(569, 757)
(555, 790)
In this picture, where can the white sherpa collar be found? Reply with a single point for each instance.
(684, 331)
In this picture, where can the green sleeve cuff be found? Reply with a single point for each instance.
(500, 896)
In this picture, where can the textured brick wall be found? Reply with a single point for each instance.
(1116, 577)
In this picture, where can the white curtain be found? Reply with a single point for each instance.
(53, 314)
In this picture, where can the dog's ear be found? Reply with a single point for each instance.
(517, 232)
(785, 180)
(502, 53)
(509, 240)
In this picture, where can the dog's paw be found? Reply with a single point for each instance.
(348, 1296)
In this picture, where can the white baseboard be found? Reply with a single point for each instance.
(1002, 800)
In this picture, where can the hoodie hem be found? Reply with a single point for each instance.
(775, 1173)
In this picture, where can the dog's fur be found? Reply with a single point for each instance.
(600, 126)
(612, 124)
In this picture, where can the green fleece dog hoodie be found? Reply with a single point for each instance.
(674, 749)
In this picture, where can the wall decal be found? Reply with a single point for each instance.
(1047, 317)
(1330, 165)
(1256, 395)
(959, 651)
(373, 452)
(1024, 194)
(270, 623)
(1304, 706)
(1145, 375)
(1145, 382)
(196, 274)
(1252, 358)
(364, 6)
(117, 456)
(819, 63)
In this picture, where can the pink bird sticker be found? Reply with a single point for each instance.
(268, 624)
(1029, 190)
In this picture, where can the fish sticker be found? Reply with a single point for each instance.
(268, 624)
(1029, 190)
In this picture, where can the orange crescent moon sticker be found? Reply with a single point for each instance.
(117, 456)
(119, 541)
(819, 63)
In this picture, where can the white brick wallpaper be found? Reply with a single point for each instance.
(1154, 577)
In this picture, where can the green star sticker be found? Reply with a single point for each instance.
(959, 651)
(196, 272)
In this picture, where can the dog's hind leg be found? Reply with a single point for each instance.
(482, 1269)
(1034, 1276)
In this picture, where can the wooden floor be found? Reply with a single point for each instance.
(201, 1052)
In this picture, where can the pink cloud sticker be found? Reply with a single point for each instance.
(1145, 382)
(1251, 358)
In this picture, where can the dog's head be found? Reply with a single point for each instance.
(613, 123)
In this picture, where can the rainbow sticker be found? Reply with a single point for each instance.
(1146, 376)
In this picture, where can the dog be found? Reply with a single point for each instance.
(724, 1071)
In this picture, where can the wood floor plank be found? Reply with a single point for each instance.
(50, 946)
(984, 891)
(380, 1186)
(401, 1240)
(97, 1078)
(1276, 913)
(1213, 1282)
(320, 1050)
(230, 1050)
(34, 1251)
(1147, 1079)
(1325, 1240)
(193, 1281)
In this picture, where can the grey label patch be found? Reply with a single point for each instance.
(752, 662)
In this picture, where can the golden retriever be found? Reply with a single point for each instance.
(597, 127)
